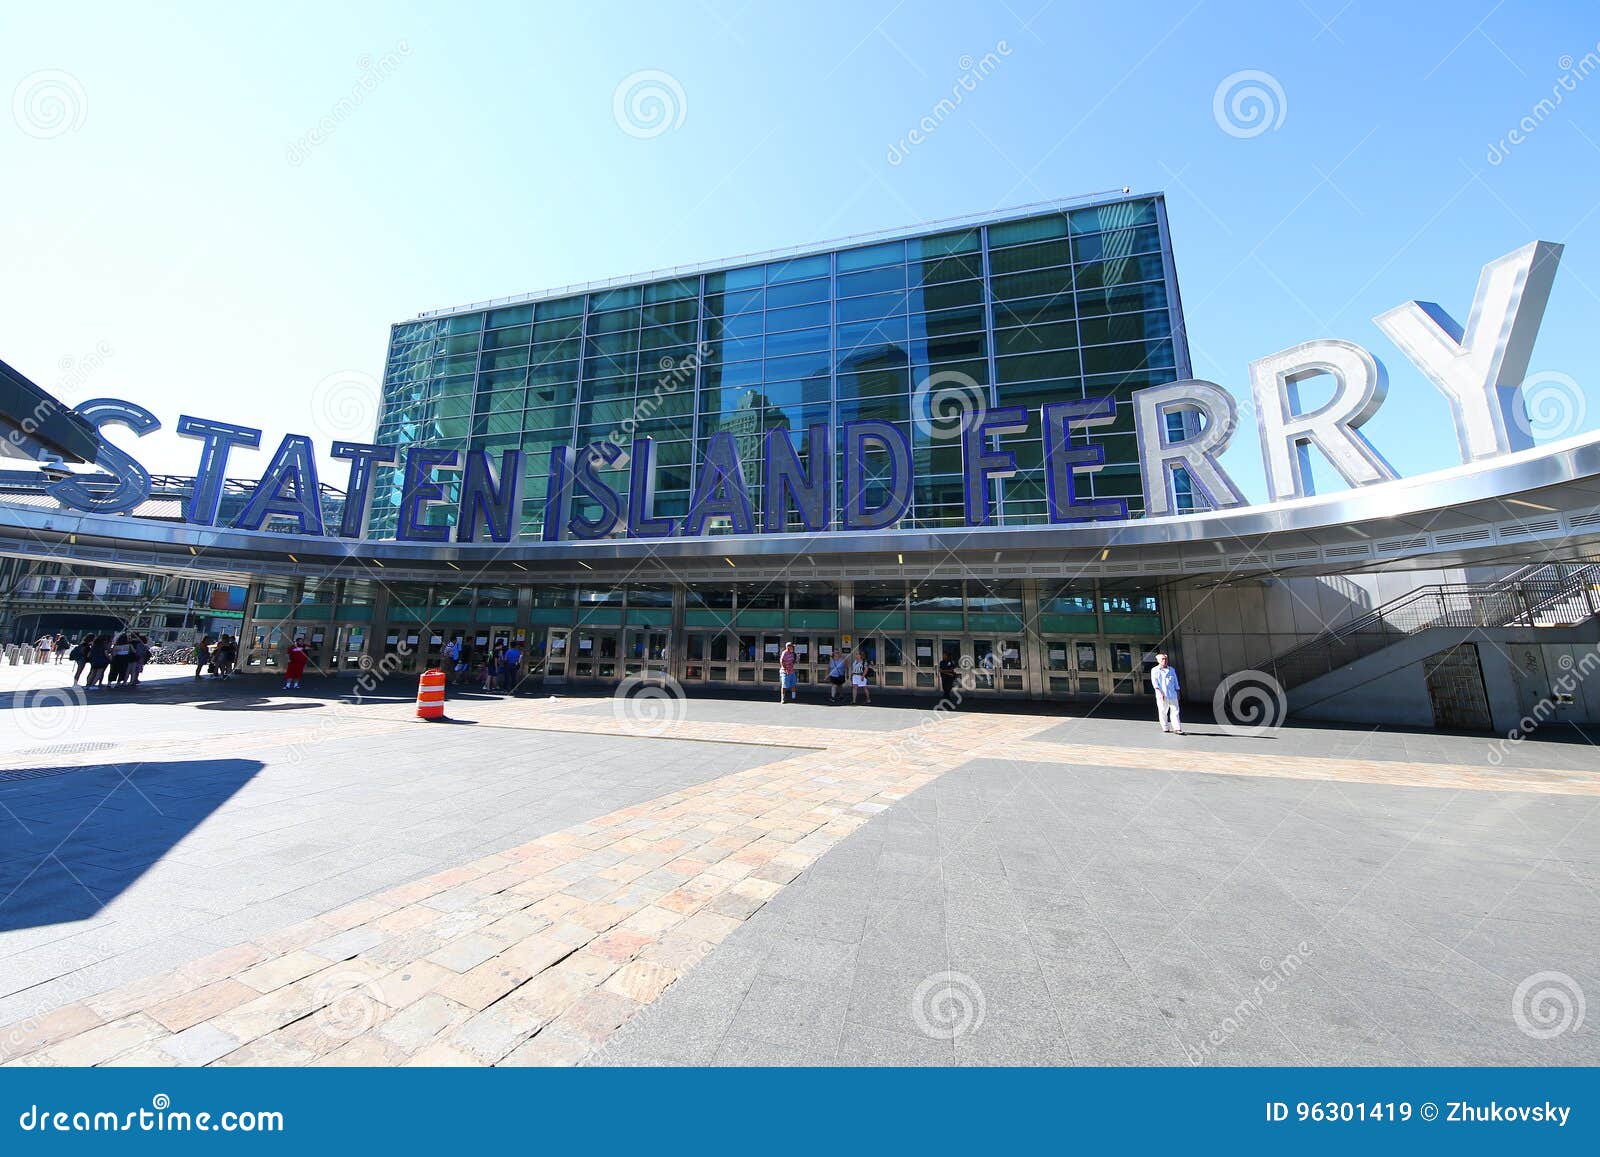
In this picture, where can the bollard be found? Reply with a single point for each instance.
(430, 694)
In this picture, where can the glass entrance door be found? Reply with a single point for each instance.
(349, 647)
(985, 664)
(709, 656)
(558, 647)
(891, 667)
(646, 652)
(596, 654)
(1098, 668)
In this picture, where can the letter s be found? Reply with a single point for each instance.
(133, 480)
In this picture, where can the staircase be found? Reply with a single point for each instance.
(1556, 594)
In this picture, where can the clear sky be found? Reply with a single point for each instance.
(170, 233)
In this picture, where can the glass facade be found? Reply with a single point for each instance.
(1020, 312)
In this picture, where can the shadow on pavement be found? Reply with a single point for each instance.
(76, 840)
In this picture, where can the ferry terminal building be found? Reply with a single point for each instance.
(1460, 598)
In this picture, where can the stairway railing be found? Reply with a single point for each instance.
(1552, 594)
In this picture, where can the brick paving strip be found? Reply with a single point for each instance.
(538, 954)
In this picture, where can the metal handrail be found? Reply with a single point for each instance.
(1551, 594)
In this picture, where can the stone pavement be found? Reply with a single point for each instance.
(705, 881)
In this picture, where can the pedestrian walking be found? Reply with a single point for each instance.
(788, 677)
(138, 656)
(42, 648)
(510, 663)
(99, 660)
(121, 651)
(296, 666)
(450, 660)
(202, 655)
(491, 667)
(838, 672)
(224, 655)
(861, 677)
(1164, 678)
(58, 647)
(80, 657)
(947, 679)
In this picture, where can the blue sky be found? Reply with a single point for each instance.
(169, 234)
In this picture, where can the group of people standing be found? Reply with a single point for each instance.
(50, 648)
(498, 668)
(111, 660)
(216, 657)
(853, 666)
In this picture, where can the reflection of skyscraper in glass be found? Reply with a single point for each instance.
(744, 423)
(748, 422)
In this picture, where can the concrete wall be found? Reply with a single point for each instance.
(1523, 671)
(1231, 628)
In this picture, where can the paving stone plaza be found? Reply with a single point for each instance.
(210, 873)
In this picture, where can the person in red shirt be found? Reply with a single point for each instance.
(789, 682)
(297, 664)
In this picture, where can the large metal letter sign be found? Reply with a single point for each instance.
(642, 519)
(133, 480)
(419, 491)
(1160, 453)
(1063, 462)
(784, 476)
(365, 458)
(719, 489)
(289, 487)
(490, 496)
(217, 438)
(979, 463)
(1479, 368)
(1287, 434)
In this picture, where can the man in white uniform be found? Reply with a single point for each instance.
(1165, 680)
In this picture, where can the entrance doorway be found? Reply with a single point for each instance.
(645, 653)
(986, 664)
(1097, 667)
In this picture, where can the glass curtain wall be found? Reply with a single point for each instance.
(1017, 313)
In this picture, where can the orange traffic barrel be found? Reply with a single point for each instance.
(430, 694)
